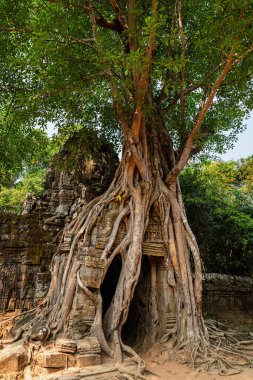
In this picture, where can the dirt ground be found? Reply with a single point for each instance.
(175, 371)
(170, 370)
(158, 368)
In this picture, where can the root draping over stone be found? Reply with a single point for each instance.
(78, 265)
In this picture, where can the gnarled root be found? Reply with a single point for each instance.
(218, 350)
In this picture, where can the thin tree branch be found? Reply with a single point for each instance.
(193, 88)
(119, 13)
(113, 25)
(82, 41)
(243, 55)
(203, 110)
(109, 75)
(12, 29)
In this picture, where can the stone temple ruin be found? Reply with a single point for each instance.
(28, 242)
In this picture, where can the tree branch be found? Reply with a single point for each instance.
(12, 29)
(113, 25)
(203, 110)
(119, 13)
(143, 82)
(243, 55)
(109, 73)
(139, 162)
(82, 41)
(194, 87)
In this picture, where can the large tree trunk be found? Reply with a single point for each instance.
(129, 201)
(134, 195)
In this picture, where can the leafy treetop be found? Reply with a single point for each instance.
(72, 61)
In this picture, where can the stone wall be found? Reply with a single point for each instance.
(28, 241)
(228, 298)
(25, 253)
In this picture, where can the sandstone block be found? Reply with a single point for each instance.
(66, 345)
(89, 345)
(13, 359)
(71, 360)
(91, 273)
(88, 360)
(52, 360)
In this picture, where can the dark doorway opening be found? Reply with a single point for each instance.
(109, 284)
(137, 331)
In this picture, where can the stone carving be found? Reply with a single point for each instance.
(106, 223)
(66, 345)
(81, 317)
(29, 204)
(40, 334)
(92, 269)
(153, 243)
(31, 239)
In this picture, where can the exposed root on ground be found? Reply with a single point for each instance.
(221, 350)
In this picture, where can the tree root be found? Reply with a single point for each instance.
(130, 374)
(14, 339)
(219, 351)
(140, 362)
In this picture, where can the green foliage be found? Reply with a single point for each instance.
(77, 146)
(22, 150)
(25, 153)
(12, 198)
(52, 69)
(219, 203)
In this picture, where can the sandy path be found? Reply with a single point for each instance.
(174, 371)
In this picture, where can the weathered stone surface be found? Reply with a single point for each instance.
(71, 360)
(91, 272)
(88, 360)
(51, 359)
(89, 345)
(40, 333)
(66, 345)
(28, 241)
(13, 358)
(228, 297)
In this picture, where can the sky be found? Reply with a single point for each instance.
(242, 148)
(244, 145)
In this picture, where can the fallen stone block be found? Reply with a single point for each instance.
(51, 359)
(13, 358)
(87, 360)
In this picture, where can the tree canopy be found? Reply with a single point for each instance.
(72, 62)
